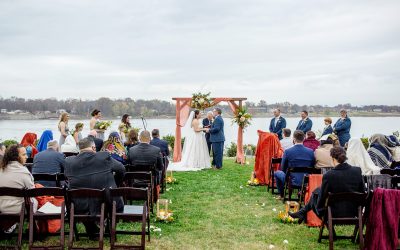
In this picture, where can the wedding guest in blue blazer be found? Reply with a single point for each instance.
(296, 156)
(305, 124)
(328, 126)
(342, 128)
(277, 123)
(156, 141)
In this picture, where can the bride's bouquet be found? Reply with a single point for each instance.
(201, 101)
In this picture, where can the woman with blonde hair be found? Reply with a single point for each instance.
(63, 127)
(114, 147)
(77, 132)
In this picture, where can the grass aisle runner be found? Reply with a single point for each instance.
(217, 210)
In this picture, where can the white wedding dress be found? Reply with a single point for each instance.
(195, 154)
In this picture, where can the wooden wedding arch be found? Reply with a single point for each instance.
(182, 114)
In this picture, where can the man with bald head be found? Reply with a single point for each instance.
(145, 154)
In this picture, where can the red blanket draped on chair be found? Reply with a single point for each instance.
(268, 147)
(314, 181)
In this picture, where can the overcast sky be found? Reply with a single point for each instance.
(305, 52)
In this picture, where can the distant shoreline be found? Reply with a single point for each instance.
(16, 117)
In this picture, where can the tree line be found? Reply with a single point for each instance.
(155, 108)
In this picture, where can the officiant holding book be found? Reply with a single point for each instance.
(207, 124)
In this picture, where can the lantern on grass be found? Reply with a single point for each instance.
(292, 206)
(163, 214)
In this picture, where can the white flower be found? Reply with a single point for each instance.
(157, 230)
(285, 242)
(241, 186)
(170, 201)
(274, 209)
(263, 205)
(242, 119)
(271, 246)
(201, 101)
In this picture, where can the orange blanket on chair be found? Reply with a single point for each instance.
(268, 147)
(315, 180)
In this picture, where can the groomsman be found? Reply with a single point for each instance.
(305, 124)
(207, 124)
(277, 123)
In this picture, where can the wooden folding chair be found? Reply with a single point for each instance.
(45, 177)
(8, 219)
(68, 154)
(43, 217)
(131, 213)
(164, 174)
(329, 221)
(289, 187)
(29, 166)
(85, 193)
(141, 180)
(272, 183)
(146, 168)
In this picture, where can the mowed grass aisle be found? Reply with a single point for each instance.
(217, 210)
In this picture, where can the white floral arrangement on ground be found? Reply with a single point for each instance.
(242, 118)
(104, 125)
(201, 101)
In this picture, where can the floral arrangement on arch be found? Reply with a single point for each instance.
(242, 118)
(103, 125)
(201, 101)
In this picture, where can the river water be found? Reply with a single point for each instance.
(361, 126)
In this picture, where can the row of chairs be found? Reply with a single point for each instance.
(289, 188)
(132, 213)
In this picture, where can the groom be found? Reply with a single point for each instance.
(217, 138)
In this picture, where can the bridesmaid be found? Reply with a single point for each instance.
(124, 127)
(63, 127)
(96, 115)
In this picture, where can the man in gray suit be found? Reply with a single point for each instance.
(93, 170)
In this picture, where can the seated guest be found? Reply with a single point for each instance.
(148, 155)
(328, 126)
(132, 139)
(92, 170)
(2, 151)
(97, 141)
(310, 141)
(156, 141)
(286, 141)
(49, 161)
(395, 150)
(115, 148)
(296, 156)
(14, 174)
(323, 159)
(69, 145)
(357, 155)
(380, 151)
(342, 178)
(44, 139)
(77, 132)
(28, 141)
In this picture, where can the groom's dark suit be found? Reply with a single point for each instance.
(217, 138)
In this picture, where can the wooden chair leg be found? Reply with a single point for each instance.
(144, 220)
(31, 225)
(330, 228)
(320, 232)
(101, 236)
(113, 226)
(72, 227)
(360, 228)
(21, 227)
(62, 229)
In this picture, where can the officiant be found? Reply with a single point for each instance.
(207, 124)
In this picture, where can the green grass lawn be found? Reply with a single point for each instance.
(215, 209)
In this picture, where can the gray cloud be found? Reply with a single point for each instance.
(308, 52)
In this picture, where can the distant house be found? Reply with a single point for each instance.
(377, 110)
(3, 111)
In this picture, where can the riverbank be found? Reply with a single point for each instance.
(28, 116)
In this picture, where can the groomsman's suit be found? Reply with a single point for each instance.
(207, 124)
(304, 125)
(276, 127)
(217, 138)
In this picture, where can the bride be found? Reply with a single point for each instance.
(195, 155)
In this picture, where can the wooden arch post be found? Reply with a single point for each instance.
(182, 114)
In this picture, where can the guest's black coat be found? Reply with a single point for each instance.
(96, 171)
(147, 155)
(342, 178)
